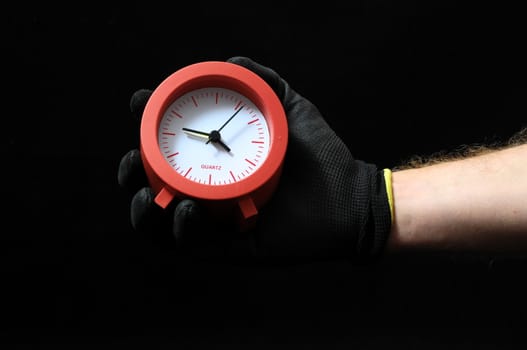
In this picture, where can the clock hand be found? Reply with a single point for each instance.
(232, 116)
(196, 133)
(228, 120)
(214, 136)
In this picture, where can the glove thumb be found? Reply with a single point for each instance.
(270, 76)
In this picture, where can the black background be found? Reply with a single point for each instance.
(393, 78)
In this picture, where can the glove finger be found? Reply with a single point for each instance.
(188, 219)
(138, 102)
(131, 174)
(202, 236)
(195, 234)
(145, 215)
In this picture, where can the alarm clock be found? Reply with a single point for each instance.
(217, 133)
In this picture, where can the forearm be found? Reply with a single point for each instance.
(477, 204)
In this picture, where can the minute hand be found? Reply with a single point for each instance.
(228, 120)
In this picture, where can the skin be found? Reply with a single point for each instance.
(471, 204)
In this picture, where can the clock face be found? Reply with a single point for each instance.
(214, 136)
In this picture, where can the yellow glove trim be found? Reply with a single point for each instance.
(389, 191)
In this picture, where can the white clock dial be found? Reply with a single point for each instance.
(214, 136)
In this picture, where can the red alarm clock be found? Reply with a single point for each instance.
(217, 133)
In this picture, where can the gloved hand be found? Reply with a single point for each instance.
(328, 205)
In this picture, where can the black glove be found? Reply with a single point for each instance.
(327, 204)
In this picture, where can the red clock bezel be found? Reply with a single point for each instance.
(253, 190)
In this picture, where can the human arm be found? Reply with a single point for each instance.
(475, 204)
(331, 205)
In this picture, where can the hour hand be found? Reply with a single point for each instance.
(214, 136)
(196, 133)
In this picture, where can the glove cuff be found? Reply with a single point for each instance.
(373, 235)
(389, 192)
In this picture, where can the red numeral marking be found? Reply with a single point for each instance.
(176, 114)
